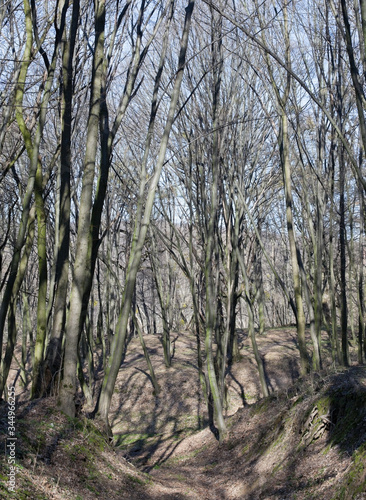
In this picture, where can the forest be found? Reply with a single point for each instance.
(178, 173)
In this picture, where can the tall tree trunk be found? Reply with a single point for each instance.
(12, 332)
(361, 307)
(212, 309)
(32, 148)
(342, 209)
(342, 244)
(68, 386)
(141, 228)
(286, 170)
(336, 351)
(258, 276)
(146, 354)
(258, 359)
(54, 350)
(25, 334)
(164, 301)
(19, 95)
(38, 374)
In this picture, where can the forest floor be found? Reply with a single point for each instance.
(307, 440)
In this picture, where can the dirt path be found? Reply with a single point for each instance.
(150, 429)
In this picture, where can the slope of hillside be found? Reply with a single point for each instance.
(307, 440)
(62, 458)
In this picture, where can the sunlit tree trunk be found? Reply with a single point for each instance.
(32, 147)
(19, 94)
(164, 301)
(283, 142)
(336, 350)
(54, 351)
(286, 169)
(146, 354)
(39, 347)
(68, 386)
(12, 330)
(257, 356)
(141, 225)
